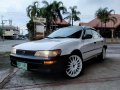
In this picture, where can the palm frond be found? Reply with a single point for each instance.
(113, 19)
(60, 3)
(35, 3)
(45, 2)
(77, 12)
(74, 7)
(112, 11)
(67, 17)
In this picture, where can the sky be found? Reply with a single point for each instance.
(16, 9)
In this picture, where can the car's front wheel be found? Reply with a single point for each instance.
(74, 66)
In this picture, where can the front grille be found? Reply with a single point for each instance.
(25, 52)
(25, 60)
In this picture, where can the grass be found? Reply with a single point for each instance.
(4, 54)
(112, 41)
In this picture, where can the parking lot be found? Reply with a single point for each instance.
(97, 76)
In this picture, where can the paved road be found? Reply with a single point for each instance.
(5, 46)
(97, 76)
(114, 48)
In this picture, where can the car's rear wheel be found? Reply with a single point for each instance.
(74, 66)
(102, 56)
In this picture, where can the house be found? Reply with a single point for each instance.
(59, 24)
(41, 27)
(112, 30)
(10, 32)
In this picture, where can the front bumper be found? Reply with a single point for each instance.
(37, 63)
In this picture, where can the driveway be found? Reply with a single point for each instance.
(97, 76)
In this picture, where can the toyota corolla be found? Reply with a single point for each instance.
(63, 50)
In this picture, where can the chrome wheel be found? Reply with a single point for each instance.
(74, 66)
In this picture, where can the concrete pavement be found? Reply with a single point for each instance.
(97, 76)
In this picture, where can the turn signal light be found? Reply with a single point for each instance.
(49, 62)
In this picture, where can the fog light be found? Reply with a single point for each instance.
(49, 62)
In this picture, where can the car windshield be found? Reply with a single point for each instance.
(67, 32)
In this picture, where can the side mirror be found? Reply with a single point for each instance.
(88, 36)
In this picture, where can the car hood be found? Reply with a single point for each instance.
(44, 44)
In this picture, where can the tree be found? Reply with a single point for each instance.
(52, 12)
(105, 16)
(48, 14)
(32, 11)
(73, 15)
(30, 26)
(57, 7)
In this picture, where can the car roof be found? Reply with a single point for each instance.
(80, 27)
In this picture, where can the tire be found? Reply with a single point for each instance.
(74, 66)
(102, 56)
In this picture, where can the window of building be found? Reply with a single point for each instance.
(7, 29)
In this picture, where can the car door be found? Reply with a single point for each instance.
(88, 45)
(98, 42)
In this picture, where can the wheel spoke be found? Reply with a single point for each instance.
(74, 66)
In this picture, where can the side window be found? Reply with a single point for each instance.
(95, 34)
(88, 33)
(76, 34)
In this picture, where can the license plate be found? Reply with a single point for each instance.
(22, 65)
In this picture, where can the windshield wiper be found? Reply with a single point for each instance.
(49, 37)
(56, 37)
(59, 37)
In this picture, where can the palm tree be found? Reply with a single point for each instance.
(33, 10)
(105, 16)
(51, 12)
(73, 15)
(48, 14)
(57, 7)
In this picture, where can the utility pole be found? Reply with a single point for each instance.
(3, 22)
(10, 22)
(2, 27)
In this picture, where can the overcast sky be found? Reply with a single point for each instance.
(16, 9)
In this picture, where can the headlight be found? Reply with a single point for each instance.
(13, 51)
(50, 53)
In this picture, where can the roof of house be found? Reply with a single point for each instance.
(59, 22)
(97, 23)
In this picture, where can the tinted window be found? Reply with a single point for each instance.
(68, 32)
(87, 32)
